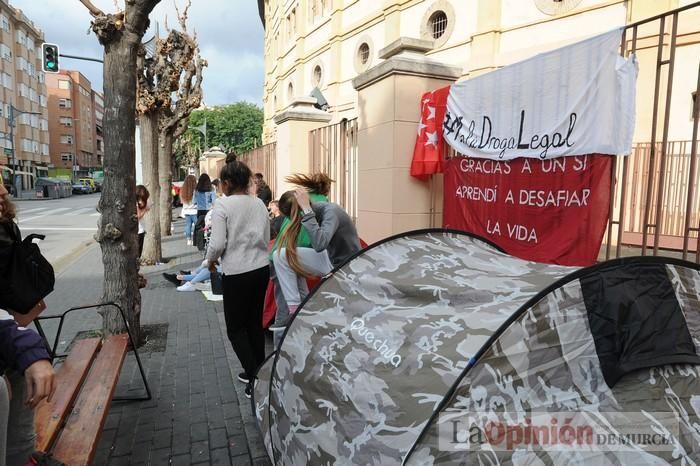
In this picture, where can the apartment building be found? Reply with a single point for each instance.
(75, 124)
(22, 92)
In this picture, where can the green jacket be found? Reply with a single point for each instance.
(303, 239)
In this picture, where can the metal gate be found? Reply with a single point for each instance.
(655, 202)
(333, 150)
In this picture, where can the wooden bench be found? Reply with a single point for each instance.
(69, 427)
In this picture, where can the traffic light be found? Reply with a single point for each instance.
(50, 58)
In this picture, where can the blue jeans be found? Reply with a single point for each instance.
(200, 274)
(190, 221)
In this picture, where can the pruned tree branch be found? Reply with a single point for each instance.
(182, 18)
(94, 11)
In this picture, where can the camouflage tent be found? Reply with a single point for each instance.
(435, 347)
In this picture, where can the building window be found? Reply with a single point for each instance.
(66, 139)
(6, 52)
(363, 53)
(67, 157)
(693, 103)
(66, 121)
(65, 103)
(438, 24)
(318, 76)
(290, 92)
(4, 23)
(63, 84)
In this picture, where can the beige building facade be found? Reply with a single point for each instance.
(371, 60)
(22, 92)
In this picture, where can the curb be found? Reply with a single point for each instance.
(63, 263)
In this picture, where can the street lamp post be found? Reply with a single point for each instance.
(11, 124)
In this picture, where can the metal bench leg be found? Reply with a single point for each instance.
(138, 362)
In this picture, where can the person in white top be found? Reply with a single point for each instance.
(189, 208)
(239, 235)
(142, 207)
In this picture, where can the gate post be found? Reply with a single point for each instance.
(389, 199)
(293, 126)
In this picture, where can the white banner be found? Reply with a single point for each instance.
(579, 99)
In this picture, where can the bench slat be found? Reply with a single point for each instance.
(78, 441)
(49, 417)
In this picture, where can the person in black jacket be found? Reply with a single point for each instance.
(25, 368)
(263, 192)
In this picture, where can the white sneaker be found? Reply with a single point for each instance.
(189, 242)
(186, 287)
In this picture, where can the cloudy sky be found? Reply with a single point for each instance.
(230, 35)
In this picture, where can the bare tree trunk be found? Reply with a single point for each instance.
(152, 251)
(118, 226)
(165, 176)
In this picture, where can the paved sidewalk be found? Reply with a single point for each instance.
(198, 414)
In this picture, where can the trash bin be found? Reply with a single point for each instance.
(48, 188)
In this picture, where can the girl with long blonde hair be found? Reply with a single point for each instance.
(332, 236)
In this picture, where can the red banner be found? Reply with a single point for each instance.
(553, 210)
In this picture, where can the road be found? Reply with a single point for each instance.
(69, 225)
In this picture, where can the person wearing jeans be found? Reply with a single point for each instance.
(186, 281)
(189, 207)
(239, 237)
(333, 239)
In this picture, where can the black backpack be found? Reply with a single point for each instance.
(29, 277)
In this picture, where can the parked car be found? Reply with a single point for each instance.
(90, 182)
(81, 188)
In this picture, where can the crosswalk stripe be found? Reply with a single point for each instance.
(40, 209)
(60, 210)
(84, 211)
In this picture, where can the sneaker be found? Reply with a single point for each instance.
(172, 278)
(187, 287)
(189, 242)
(279, 327)
(249, 388)
(39, 458)
(243, 377)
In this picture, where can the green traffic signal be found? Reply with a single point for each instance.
(50, 54)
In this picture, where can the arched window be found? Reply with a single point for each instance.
(318, 75)
(290, 92)
(363, 53)
(438, 24)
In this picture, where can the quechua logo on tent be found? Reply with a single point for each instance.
(369, 338)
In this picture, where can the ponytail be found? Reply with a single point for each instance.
(288, 239)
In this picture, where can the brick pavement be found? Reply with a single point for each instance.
(198, 414)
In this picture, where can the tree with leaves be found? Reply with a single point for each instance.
(235, 127)
(174, 70)
(120, 34)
